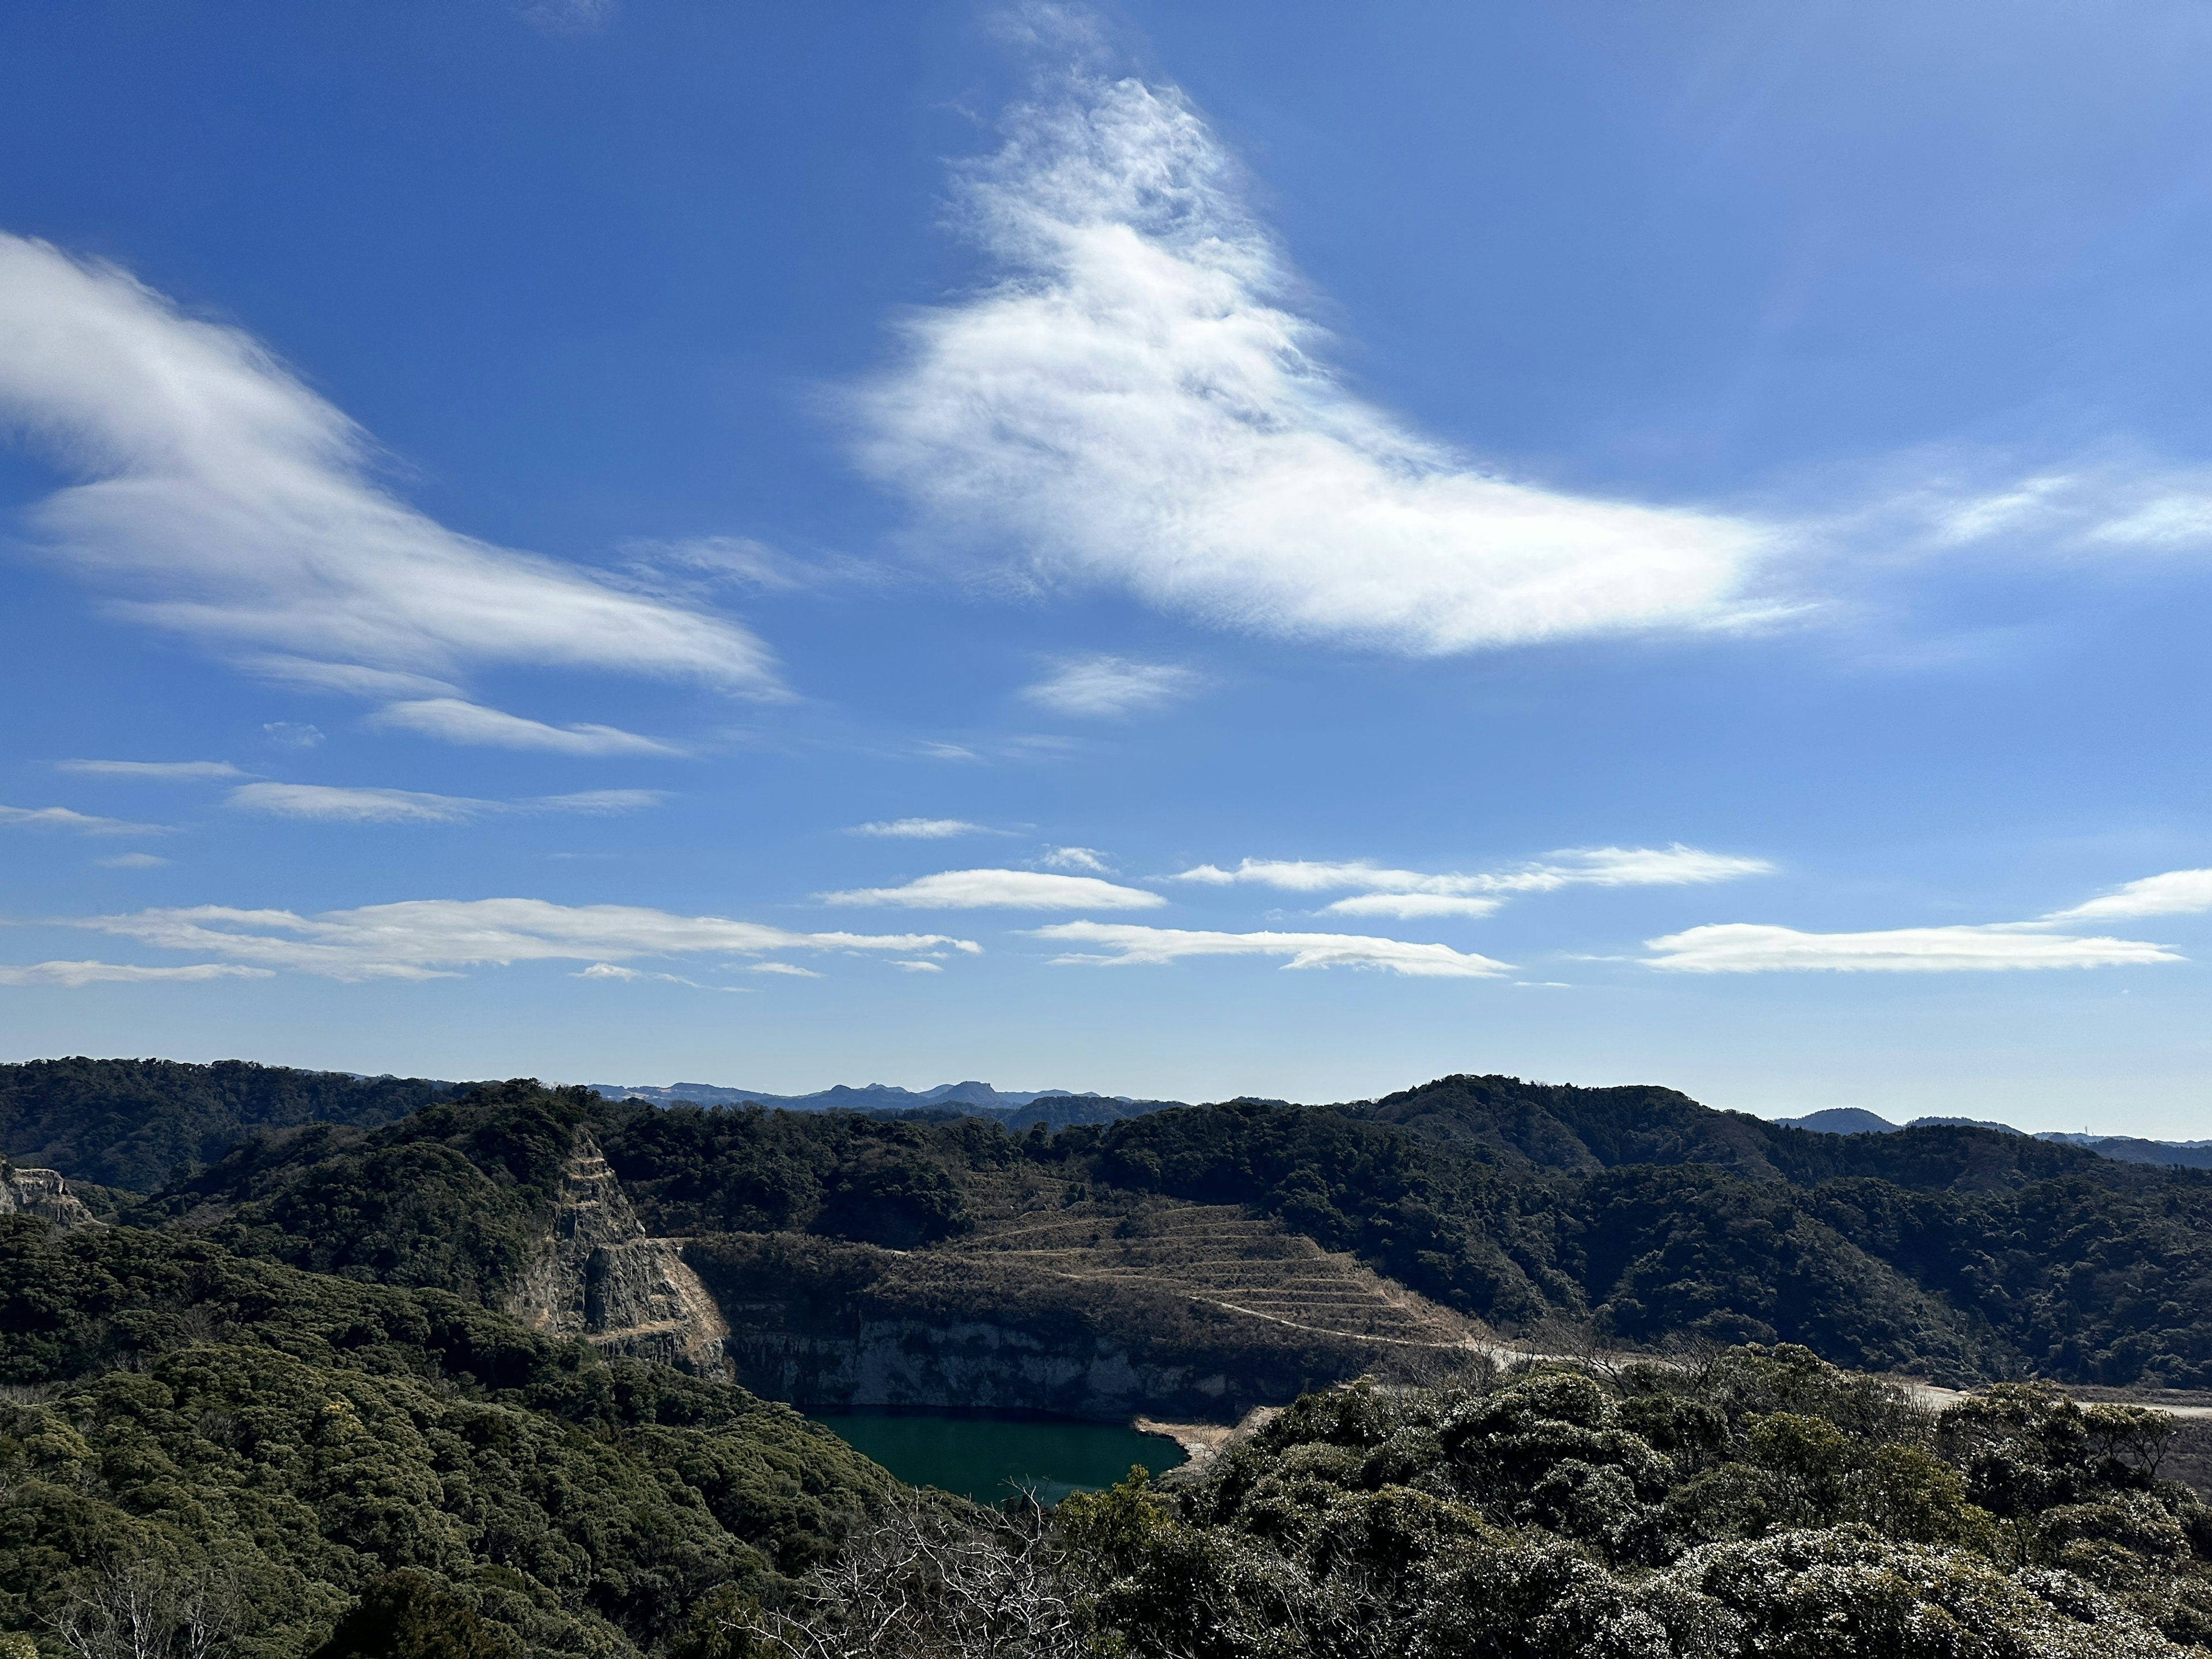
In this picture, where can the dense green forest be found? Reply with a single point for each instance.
(1758, 1503)
(1958, 1253)
(137, 1123)
(175, 1411)
(272, 1410)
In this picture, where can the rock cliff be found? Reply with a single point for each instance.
(42, 1193)
(596, 1275)
(832, 1322)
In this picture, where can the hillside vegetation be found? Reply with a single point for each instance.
(137, 1123)
(275, 1412)
(283, 1441)
(1957, 1254)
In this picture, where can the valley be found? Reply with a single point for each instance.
(1588, 1357)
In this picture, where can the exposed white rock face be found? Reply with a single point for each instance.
(42, 1193)
(596, 1275)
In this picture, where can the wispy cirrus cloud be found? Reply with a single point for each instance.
(1416, 893)
(1135, 402)
(225, 501)
(641, 975)
(431, 939)
(82, 823)
(78, 974)
(1002, 890)
(1132, 944)
(1087, 859)
(1752, 948)
(131, 862)
(332, 804)
(2175, 893)
(2103, 505)
(922, 829)
(1102, 686)
(453, 720)
(335, 803)
(162, 771)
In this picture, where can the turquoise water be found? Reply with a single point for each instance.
(989, 1456)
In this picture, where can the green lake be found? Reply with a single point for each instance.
(988, 1456)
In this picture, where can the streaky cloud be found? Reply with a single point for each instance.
(1132, 944)
(82, 823)
(1410, 907)
(75, 974)
(164, 771)
(1754, 948)
(922, 829)
(1588, 867)
(455, 720)
(1102, 687)
(332, 804)
(337, 803)
(1002, 890)
(433, 938)
(225, 501)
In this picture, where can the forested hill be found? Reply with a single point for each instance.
(1957, 1253)
(1556, 1125)
(133, 1123)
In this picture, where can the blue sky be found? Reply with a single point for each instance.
(1287, 550)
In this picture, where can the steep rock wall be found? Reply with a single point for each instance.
(827, 1323)
(42, 1193)
(596, 1275)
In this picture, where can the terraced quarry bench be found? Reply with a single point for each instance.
(1060, 1299)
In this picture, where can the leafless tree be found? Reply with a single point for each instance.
(920, 1584)
(143, 1609)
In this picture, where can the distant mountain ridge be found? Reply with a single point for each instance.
(2128, 1149)
(1056, 1109)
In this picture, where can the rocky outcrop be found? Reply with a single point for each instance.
(42, 1193)
(596, 1275)
(831, 1322)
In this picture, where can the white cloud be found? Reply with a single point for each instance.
(226, 501)
(132, 861)
(121, 972)
(330, 802)
(1412, 906)
(1079, 858)
(1105, 686)
(1002, 890)
(61, 817)
(599, 802)
(289, 734)
(922, 829)
(1134, 403)
(166, 771)
(1750, 948)
(2096, 505)
(951, 752)
(1133, 943)
(350, 678)
(2176, 893)
(1587, 866)
(611, 971)
(920, 966)
(791, 969)
(690, 567)
(451, 719)
(428, 939)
